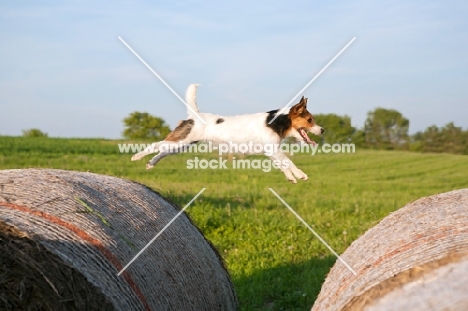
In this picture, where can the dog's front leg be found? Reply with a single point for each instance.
(289, 168)
(297, 172)
(284, 165)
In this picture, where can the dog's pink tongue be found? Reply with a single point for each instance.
(307, 139)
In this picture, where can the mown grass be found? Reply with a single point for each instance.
(275, 262)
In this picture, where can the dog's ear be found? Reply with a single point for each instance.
(300, 107)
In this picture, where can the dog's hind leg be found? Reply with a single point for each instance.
(179, 134)
(153, 148)
(169, 149)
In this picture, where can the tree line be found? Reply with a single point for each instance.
(388, 129)
(383, 129)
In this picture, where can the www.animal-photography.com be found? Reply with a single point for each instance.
(233, 156)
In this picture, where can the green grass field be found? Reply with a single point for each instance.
(274, 261)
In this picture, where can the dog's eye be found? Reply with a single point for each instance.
(309, 120)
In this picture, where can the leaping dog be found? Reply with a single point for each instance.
(241, 129)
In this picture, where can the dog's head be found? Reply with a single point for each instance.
(302, 122)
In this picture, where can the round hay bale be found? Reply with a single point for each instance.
(64, 237)
(414, 259)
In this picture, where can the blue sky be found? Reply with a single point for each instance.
(64, 71)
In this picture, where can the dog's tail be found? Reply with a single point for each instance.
(191, 99)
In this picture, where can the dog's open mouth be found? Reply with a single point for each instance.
(306, 138)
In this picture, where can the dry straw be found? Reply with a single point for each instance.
(414, 259)
(64, 236)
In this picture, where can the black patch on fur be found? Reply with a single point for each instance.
(281, 124)
(181, 131)
(220, 120)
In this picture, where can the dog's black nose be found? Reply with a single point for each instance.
(322, 130)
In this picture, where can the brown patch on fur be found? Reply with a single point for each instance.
(181, 131)
(300, 117)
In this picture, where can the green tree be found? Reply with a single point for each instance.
(417, 142)
(338, 129)
(432, 140)
(34, 132)
(454, 139)
(447, 139)
(141, 125)
(359, 138)
(386, 129)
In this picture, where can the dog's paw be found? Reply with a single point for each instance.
(300, 174)
(149, 166)
(290, 176)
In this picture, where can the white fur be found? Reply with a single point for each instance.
(238, 129)
(316, 130)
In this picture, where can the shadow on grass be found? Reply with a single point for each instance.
(287, 287)
(290, 286)
(246, 202)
